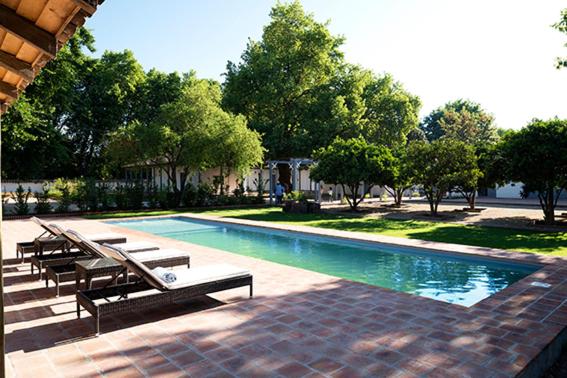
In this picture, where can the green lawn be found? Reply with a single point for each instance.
(549, 243)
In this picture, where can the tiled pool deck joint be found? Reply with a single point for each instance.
(300, 323)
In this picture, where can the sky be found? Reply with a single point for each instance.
(500, 54)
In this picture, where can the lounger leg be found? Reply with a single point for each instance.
(251, 291)
(31, 268)
(97, 325)
(46, 281)
(57, 287)
(78, 310)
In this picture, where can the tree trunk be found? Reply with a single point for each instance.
(353, 207)
(285, 175)
(549, 210)
(471, 199)
(433, 198)
(398, 196)
(432, 207)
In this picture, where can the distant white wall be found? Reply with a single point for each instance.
(510, 190)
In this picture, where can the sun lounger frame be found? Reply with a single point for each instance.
(87, 298)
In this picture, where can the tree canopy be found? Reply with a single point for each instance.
(442, 165)
(280, 75)
(189, 134)
(353, 164)
(537, 156)
(296, 89)
(461, 120)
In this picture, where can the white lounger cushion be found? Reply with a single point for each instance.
(137, 246)
(159, 254)
(205, 274)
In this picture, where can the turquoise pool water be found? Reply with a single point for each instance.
(454, 279)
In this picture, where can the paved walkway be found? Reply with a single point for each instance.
(300, 323)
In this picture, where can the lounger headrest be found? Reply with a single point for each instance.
(57, 228)
(136, 267)
(111, 251)
(37, 221)
(46, 226)
(83, 243)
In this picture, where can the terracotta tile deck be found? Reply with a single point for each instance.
(300, 324)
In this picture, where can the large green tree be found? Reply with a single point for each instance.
(353, 164)
(402, 176)
(537, 156)
(461, 120)
(442, 165)
(34, 141)
(391, 112)
(279, 76)
(105, 104)
(189, 134)
(295, 88)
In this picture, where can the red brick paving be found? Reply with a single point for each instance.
(299, 324)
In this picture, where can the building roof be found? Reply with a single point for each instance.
(31, 33)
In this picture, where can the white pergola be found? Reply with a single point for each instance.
(295, 165)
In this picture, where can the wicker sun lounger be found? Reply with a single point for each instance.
(151, 291)
(50, 240)
(43, 261)
(109, 267)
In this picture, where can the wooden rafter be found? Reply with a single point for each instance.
(30, 46)
(26, 30)
(16, 66)
(9, 90)
(86, 6)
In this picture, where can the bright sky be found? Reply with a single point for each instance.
(498, 53)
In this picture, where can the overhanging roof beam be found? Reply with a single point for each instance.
(27, 31)
(86, 6)
(9, 90)
(16, 66)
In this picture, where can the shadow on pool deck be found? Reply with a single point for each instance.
(340, 327)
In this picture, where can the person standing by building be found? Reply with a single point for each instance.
(279, 191)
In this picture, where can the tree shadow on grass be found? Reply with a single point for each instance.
(494, 237)
(426, 229)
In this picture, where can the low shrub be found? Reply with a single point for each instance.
(64, 199)
(43, 206)
(135, 196)
(22, 196)
(295, 196)
(205, 194)
(120, 197)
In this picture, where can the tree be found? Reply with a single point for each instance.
(157, 89)
(34, 143)
(353, 164)
(104, 104)
(401, 177)
(391, 111)
(442, 165)
(461, 120)
(537, 156)
(237, 148)
(187, 135)
(561, 26)
(279, 76)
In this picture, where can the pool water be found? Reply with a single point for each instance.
(454, 279)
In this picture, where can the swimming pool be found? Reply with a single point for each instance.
(455, 279)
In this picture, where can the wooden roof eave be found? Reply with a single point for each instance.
(31, 34)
